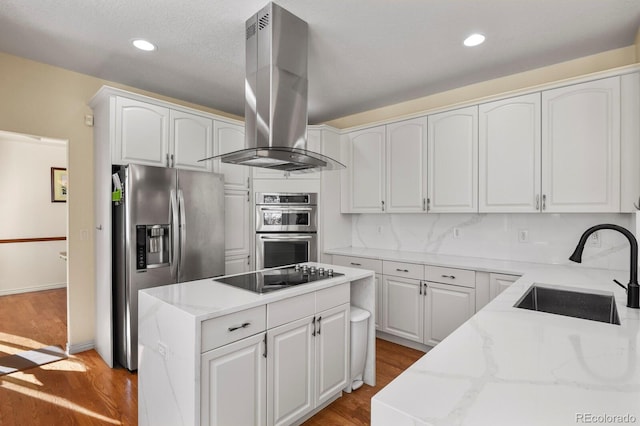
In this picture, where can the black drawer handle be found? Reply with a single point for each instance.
(453, 277)
(356, 264)
(402, 270)
(237, 327)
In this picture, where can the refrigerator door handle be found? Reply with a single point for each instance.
(173, 260)
(183, 228)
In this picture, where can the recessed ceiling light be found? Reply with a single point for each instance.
(144, 45)
(474, 40)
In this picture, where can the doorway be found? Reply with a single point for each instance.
(33, 242)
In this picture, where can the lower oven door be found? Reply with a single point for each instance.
(285, 249)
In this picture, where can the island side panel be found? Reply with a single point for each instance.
(167, 339)
(363, 295)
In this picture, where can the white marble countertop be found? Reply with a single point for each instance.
(207, 298)
(508, 366)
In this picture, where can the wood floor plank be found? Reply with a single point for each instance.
(82, 390)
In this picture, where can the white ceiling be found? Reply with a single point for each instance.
(363, 54)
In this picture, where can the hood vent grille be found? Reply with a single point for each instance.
(276, 95)
(264, 22)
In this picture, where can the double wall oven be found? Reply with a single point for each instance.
(286, 229)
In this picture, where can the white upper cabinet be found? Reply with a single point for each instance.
(141, 133)
(581, 147)
(365, 181)
(509, 155)
(453, 161)
(406, 163)
(229, 137)
(191, 140)
(629, 146)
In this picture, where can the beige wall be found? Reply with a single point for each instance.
(42, 100)
(48, 101)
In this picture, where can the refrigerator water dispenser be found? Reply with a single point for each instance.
(152, 245)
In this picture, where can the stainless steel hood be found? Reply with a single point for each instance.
(276, 95)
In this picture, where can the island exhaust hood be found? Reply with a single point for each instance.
(276, 96)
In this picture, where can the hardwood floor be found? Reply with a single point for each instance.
(355, 408)
(82, 390)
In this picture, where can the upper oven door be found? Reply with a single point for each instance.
(286, 218)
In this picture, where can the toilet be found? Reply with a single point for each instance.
(359, 328)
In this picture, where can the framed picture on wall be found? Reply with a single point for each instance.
(59, 183)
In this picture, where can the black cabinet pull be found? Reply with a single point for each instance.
(319, 325)
(314, 326)
(238, 327)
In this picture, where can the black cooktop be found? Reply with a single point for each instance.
(278, 278)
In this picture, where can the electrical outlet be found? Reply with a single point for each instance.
(380, 229)
(162, 350)
(456, 232)
(594, 240)
(84, 234)
(523, 236)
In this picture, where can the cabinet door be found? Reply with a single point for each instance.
(447, 307)
(581, 147)
(229, 137)
(406, 156)
(332, 360)
(237, 223)
(366, 170)
(453, 161)
(402, 308)
(142, 133)
(191, 140)
(233, 384)
(290, 372)
(509, 155)
(237, 265)
(499, 282)
(379, 301)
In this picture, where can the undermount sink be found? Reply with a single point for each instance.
(590, 306)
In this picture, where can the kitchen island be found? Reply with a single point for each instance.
(511, 366)
(203, 343)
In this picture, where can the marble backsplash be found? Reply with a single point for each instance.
(550, 238)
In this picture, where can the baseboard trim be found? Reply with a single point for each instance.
(31, 289)
(80, 347)
(402, 341)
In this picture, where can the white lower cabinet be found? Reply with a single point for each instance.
(332, 352)
(499, 282)
(235, 390)
(403, 308)
(291, 362)
(446, 308)
(379, 299)
(274, 364)
(307, 364)
(417, 308)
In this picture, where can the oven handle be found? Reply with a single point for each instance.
(288, 237)
(285, 209)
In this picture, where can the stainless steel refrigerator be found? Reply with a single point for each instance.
(168, 228)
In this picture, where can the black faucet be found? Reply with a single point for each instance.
(633, 290)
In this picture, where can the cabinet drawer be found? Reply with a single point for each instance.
(403, 269)
(462, 277)
(220, 331)
(291, 309)
(332, 296)
(358, 262)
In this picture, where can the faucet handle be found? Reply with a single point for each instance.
(618, 282)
